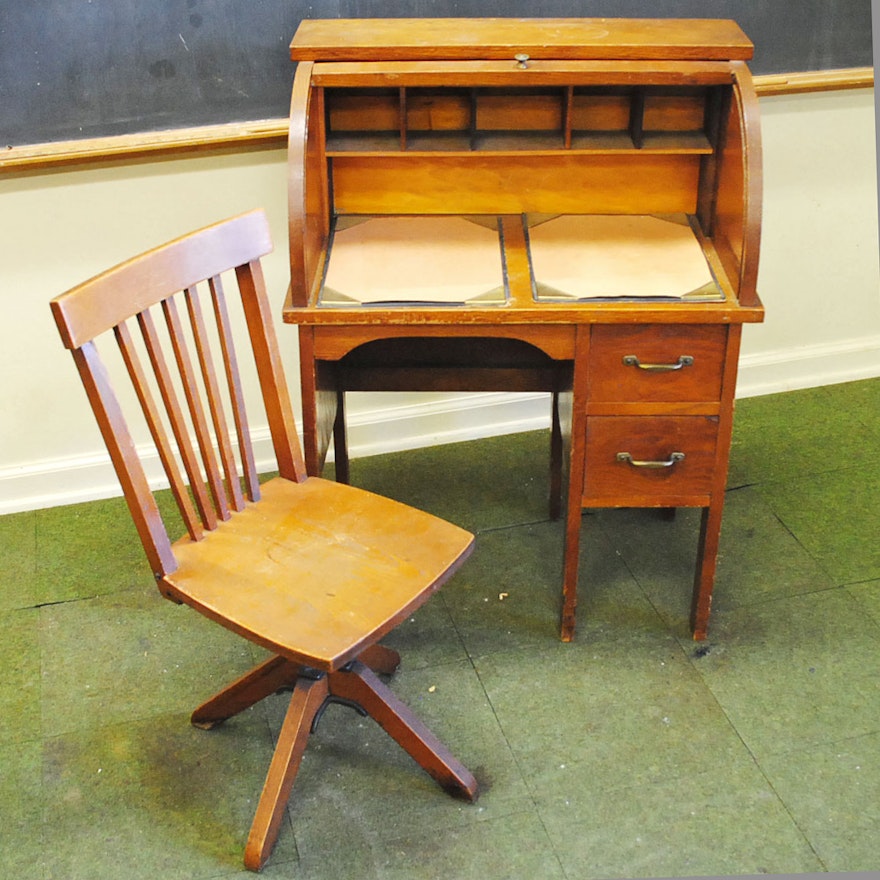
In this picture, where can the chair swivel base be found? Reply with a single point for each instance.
(356, 684)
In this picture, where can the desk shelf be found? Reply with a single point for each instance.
(521, 119)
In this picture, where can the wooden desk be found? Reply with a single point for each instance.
(605, 117)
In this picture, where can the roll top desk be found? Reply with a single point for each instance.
(596, 186)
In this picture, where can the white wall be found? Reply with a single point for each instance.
(819, 279)
(819, 275)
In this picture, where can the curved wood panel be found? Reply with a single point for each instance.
(308, 213)
(736, 217)
(754, 189)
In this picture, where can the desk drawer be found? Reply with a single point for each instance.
(634, 460)
(656, 363)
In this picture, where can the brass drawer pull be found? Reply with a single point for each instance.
(674, 458)
(686, 360)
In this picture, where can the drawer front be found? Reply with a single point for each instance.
(656, 363)
(648, 458)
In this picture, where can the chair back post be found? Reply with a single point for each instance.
(126, 462)
(276, 397)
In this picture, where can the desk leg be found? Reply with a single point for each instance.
(320, 400)
(573, 514)
(570, 575)
(710, 526)
(340, 441)
(571, 423)
(556, 452)
(707, 559)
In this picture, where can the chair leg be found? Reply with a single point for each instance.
(361, 685)
(265, 679)
(308, 697)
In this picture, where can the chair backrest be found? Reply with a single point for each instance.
(181, 360)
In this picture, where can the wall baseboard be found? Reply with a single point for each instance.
(808, 366)
(450, 419)
(436, 421)
(453, 418)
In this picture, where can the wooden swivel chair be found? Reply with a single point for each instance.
(315, 571)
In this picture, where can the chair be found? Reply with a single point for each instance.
(315, 571)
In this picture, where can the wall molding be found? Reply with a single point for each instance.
(808, 366)
(435, 421)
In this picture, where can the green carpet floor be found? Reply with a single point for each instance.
(631, 752)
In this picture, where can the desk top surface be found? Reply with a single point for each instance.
(376, 39)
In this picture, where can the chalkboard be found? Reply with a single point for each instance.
(76, 69)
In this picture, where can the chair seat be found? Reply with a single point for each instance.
(317, 570)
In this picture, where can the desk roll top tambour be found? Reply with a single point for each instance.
(583, 199)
